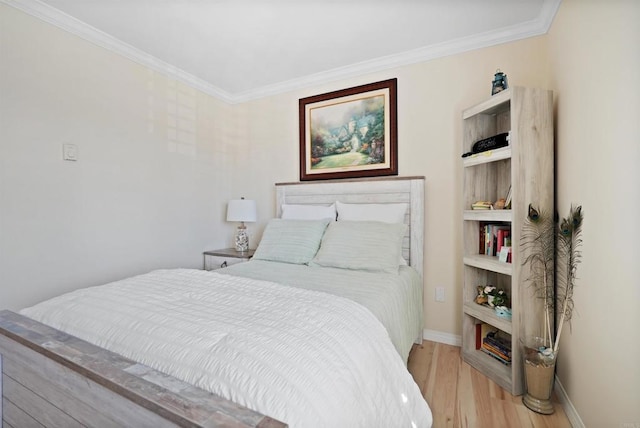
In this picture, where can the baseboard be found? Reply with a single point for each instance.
(442, 337)
(567, 405)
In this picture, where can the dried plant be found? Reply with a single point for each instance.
(538, 242)
(569, 242)
(545, 241)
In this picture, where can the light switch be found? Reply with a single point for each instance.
(69, 152)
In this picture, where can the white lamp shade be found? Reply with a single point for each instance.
(241, 210)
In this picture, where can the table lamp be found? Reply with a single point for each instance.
(241, 210)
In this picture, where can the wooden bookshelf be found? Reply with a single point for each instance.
(526, 166)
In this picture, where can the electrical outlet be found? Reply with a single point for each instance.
(439, 294)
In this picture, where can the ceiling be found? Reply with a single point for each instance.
(244, 49)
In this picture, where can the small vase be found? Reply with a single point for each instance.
(490, 299)
(539, 376)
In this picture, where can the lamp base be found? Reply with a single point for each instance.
(242, 239)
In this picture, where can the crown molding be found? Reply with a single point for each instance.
(536, 27)
(525, 30)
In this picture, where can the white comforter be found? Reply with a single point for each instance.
(395, 299)
(306, 358)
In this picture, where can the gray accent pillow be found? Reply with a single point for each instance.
(361, 245)
(291, 241)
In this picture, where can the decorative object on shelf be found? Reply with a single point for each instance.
(546, 242)
(482, 298)
(503, 312)
(349, 133)
(499, 204)
(499, 298)
(241, 210)
(485, 145)
(499, 83)
(494, 142)
(483, 295)
(507, 200)
(491, 296)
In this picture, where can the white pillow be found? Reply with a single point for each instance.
(387, 213)
(361, 245)
(308, 212)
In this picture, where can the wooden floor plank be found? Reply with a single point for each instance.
(460, 396)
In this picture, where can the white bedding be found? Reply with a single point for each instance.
(304, 357)
(395, 299)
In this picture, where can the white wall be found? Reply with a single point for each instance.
(151, 183)
(595, 69)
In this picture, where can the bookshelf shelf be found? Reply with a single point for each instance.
(490, 263)
(487, 215)
(487, 315)
(487, 157)
(525, 166)
(491, 106)
(500, 373)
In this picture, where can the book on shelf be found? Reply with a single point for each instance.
(493, 342)
(501, 235)
(505, 254)
(488, 349)
(493, 237)
(497, 357)
(482, 329)
(482, 205)
(487, 240)
(507, 200)
(498, 351)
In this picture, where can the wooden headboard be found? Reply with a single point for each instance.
(383, 190)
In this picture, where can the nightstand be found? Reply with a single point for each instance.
(217, 259)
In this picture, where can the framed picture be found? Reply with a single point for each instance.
(349, 133)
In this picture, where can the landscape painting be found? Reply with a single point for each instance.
(349, 133)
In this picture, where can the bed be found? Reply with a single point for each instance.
(164, 348)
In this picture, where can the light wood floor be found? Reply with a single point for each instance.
(460, 396)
